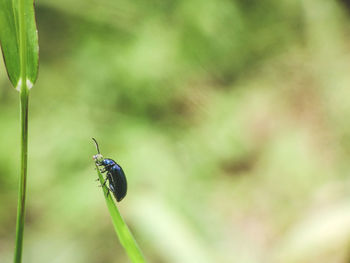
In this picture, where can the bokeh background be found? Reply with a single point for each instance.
(230, 118)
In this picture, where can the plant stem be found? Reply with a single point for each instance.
(125, 236)
(24, 97)
(23, 179)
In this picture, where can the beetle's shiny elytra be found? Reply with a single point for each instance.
(115, 174)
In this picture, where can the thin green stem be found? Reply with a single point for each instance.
(24, 97)
(23, 179)
(125, 236)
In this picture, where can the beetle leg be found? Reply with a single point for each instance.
(102, 169)
(108, 190)
(108, 177)
(104, 183)
(98, 179)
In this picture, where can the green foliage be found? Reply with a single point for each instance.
(10, 38)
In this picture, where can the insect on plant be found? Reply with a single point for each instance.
(115, 174)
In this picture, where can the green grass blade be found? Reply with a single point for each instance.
(125, 237)
(19, 44)
(19, 41)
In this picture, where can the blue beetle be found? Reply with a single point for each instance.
(115, 174)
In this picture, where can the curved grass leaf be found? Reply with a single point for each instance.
(19, 44)
(125, 237)
(11, 33)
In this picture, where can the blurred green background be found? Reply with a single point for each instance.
(230, 119)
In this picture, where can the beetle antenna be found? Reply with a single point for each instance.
(98, 149)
